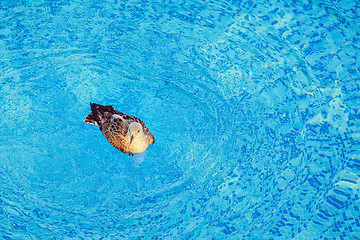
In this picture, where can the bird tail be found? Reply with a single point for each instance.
(90, 119)
(93, 117)
(97, 111)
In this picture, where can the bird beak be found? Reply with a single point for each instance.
(131, 138)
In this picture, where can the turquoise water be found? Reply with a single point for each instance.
(254, 107)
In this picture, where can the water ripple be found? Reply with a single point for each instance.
(253, 106)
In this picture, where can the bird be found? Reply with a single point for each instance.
(126, 133)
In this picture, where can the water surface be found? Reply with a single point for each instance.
(253, 105)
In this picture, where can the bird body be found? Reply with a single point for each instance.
(126, 133)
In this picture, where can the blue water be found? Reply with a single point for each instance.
(254, 107)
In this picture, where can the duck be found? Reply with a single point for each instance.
(126, 133)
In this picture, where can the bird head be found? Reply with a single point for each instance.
(135, 129)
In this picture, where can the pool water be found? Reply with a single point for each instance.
(254, 106)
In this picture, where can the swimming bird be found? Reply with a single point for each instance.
(126, 133)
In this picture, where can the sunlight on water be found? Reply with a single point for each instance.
(253, 105)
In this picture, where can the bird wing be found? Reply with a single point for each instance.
(115, 129)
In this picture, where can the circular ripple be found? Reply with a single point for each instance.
(64, 174)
